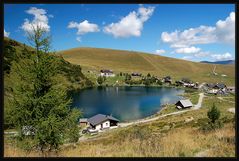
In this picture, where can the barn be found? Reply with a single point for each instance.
(181, 104)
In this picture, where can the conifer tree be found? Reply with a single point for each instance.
(39, 102)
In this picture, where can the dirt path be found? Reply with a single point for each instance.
(199, 104)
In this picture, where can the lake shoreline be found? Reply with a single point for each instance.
(127, 104)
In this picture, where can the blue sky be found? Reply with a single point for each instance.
(193, 32)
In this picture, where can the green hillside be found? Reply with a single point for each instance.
(13, 51)
(128, 61)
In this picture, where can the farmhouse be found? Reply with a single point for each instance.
(83, 122)
(218, 88)
(167, 79)
(136, 74)
(107, 73)
(100, 122)
(183, 104)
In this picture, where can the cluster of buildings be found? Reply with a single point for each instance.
(187, 83)
(218, 88)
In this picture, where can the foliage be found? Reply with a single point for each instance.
(100, 80)
(40, 101)
(127, 77)
(213, 114)
(214, 122)
(146, 82)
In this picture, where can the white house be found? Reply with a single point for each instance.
(100, 122)
(107, 73)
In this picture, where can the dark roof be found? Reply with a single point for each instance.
(99, 118)
(220, 85)
(167, 77)
(136, 74)
(106, 71)
(211, 85)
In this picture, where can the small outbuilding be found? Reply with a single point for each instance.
(83, 122)
(181, 104)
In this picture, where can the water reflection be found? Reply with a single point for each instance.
(125, 103)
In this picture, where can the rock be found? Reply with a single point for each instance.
(189, 119)
(166, 127)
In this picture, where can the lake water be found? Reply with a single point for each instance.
(125, 103)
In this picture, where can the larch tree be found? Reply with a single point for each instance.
(39, 102)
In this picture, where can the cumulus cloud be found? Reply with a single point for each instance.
(84, 27)
(6, 34)
(225, 30)
(202, 54)
(40, 19)
(160, 51)
(188, 50)
(222, 32)
(220, 57)
(130, 25)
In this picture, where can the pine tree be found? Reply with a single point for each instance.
(100, 80)
(39, 101)
(213, 114)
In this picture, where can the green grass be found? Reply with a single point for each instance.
(168, 136)
(96, 59)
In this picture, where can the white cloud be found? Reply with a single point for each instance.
(222, 32)
(192, 36)
(201, 54)
(130, 25)
(84, 27)
(40, 19)
(6, 34)
(225, 30)
(219, 57)
(188, 50)
(78, 39)
(160, 51)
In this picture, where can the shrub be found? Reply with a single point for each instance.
(213, 114)
(214, 122)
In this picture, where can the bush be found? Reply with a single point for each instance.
(100, 80)
(214, 122)
(213, 114)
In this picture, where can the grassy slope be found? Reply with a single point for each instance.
(127, 61)
(72, 76)
(170, 136)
